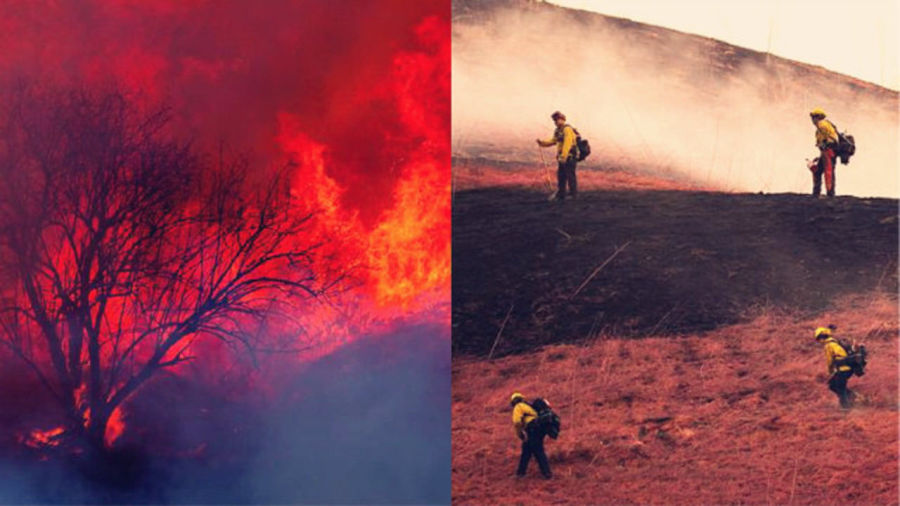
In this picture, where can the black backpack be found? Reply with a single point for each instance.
(547, 420)
(846, 146)
(856, 357)
(584, 147)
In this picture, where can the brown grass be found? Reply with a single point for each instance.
(740, 415)
(468, 174)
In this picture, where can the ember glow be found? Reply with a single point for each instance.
(42, 438)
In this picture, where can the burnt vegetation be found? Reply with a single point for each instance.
(121, 247)
(691, 262)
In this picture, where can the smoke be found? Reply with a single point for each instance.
(378, 411)
(367, 424)
(661, 101)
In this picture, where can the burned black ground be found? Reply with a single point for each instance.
(694, 261)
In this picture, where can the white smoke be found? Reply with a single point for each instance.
(658, 100)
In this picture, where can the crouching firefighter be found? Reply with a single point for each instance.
(843, 360)
(531, 426)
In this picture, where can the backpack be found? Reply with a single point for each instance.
(581, 144)
(547, 420)
(846, 146)
(584, 147)
(856, 357)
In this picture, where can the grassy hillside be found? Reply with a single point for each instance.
(740, 415)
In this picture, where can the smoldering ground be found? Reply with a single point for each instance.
(367, 424)
(653, 98)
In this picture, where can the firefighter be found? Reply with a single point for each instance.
(532, 436)
(564, 138)
(838, 372)
(827, 142)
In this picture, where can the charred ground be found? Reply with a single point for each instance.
(694, 261)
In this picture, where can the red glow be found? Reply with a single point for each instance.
(42, 438)
(114, 427)
(357, 99)
(405, 249)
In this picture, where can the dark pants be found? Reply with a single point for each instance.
(838, 385)
(534, 445)
(565, 174)
(825, 168)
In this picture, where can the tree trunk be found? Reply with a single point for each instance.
(96, 430)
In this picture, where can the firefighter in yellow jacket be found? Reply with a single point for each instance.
(531, 435)
(827, 142)
(564, 138)
(838, 372)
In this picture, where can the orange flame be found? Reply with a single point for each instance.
(115, 427)
(406, 253)
(42, 438)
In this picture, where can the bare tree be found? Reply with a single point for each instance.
(119, 248)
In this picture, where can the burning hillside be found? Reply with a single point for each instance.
(202, 198)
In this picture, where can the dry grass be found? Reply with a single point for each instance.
(470, 174)
(740, 415)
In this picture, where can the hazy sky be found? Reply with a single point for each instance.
(857, 38)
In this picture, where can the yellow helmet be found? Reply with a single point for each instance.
(516, 396)
(818, 111)
(822, 332)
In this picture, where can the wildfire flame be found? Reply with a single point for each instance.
(39, 439)
(42, 438)
(405, 253)
(383, 209)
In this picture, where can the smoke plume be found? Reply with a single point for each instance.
(658, 100)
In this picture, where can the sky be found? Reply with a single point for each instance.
(859, 38)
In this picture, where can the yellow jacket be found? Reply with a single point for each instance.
(564, 138)
(825, 134)
(834, 351)
(522, 414)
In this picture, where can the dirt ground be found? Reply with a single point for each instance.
(740, 415)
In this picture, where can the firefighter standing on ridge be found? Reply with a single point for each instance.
(532, 435)
(827, 142)
(564, 138)
(838, 371)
